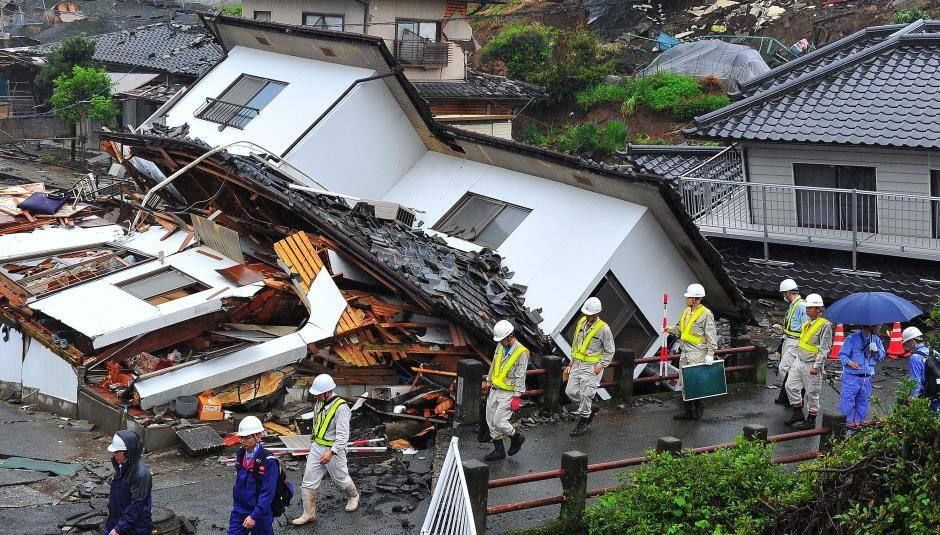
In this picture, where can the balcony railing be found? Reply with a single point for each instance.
(226, 113)
(423, 53)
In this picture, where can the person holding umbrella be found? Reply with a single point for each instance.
(860, 353)
(806, 372)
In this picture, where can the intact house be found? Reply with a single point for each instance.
(567, 229)
(830, 168)
(432, 40)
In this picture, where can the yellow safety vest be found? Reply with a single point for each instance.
(579, 351)
(323, 422)
(500, 369)
(686, 321)
(809, 330)
(787, 325)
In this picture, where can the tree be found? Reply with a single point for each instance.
(73, 51)
(82, 95)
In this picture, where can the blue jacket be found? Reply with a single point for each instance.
(130, 502)
(253, 496)
(856, 349)
(918, 369)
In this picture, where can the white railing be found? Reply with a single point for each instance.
(856, 220)
(449, 512)
(726, 165)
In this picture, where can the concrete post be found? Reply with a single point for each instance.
(551, 383)
(623, 373)
(755, 432)
(759, 358)
(574, 487)
(835, 429)
(477, 474)
(668, 444)
(469, 385)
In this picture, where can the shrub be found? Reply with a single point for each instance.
(644, 139)
(663, 91)
(76, 50)
(233, 11)
(48, 158)
(907, 16)
(588, 139)
(601, 94)
(699, 105)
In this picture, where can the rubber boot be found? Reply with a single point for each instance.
(796, 417)
(782, 398)
(687, 412)
(308, 498)
(699, 409)
(579, 429)
(499, 451)
(808, 423)
(352, 498)
(590, 419)
(515, 443)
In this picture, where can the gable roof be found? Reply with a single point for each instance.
(670, 161)
(868, 89)
(481, 86)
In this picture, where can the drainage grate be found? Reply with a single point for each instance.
(201, 440)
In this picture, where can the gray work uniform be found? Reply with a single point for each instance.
(800, 377)
(582, 381)
(338, 432)
(796, 316)
(498, 400)
(703, 327)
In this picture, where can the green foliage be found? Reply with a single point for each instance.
(717, 493)
(699, 105)
(601, 94)
(564, 61)
(233, 11)
(681, 96)
(643, 139)
(588, 139)
(907, 16)
(84, 94)
(48, 158)
(73, 51)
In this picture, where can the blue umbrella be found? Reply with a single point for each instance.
(871, 308)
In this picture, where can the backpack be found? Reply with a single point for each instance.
(283, 493)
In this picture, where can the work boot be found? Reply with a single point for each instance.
(579, 429)
(796, 417)
(699, 409)
(308, 498)
(590, 419)
(499, 451)
(782, 398)
(687, 412)
(515, 443)
(352, 498)
(808, 423)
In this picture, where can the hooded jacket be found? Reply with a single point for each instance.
(130, 501)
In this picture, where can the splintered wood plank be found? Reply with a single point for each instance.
(293, 264)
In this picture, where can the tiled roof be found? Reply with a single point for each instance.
(670, 161)
(813, 270)
(165, 47)
(882, 95)
(480, 85)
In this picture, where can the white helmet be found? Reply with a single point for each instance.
(250, 425)
(501, 330)
(117, 444)
(695, 290)
(591, 306)
(322, 383)
(814, 300)
(911, 333)
(788, 285)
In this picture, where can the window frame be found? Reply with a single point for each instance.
(935, 205)
(305, 14)
(149, 297)
(864, 212)
(437, 31)
(254, 15)
(211, 103)
(485, 223)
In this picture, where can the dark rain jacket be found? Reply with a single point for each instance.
(252, 496)
(130, 502)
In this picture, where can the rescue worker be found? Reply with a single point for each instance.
(253, 493)
(698, 340)
(592, 349)
(807, 370)
(860, 353)
(913, 341)
(505, 383)
(796, 317)
(130, 501)
(327, 455)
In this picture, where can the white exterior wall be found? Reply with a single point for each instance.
(11, 356)
(49, 373)
(292, 11)
(500, 129)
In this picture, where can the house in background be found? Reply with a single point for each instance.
(566, 229)
(839, 150)
(432, 41)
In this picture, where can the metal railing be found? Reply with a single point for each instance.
(849, 219)
(420, 52)
(726, 165)
(226, 113)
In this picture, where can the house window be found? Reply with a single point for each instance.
(264, 16)
(629, 327)
(482, 220)
(418, 43)
(935, 205)
(162, 286)
(836, 210)
(241, 102)
(416, 30)
(324, 22)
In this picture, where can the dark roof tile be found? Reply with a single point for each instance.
(480, 85)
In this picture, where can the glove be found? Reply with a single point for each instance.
(515, 404)
(709, 359)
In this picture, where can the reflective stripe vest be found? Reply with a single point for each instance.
(323, 422)
(809, 330)
(501, 369)
(686, 321)
(580, 351)
(788, 325)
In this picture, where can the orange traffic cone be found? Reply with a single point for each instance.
(896, 348)
(837, 342)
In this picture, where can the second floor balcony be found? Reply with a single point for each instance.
(422, 53)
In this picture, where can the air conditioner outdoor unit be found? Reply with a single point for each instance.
(392, 211)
